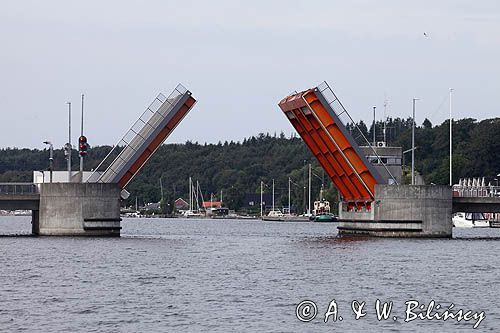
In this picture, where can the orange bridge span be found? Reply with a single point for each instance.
(313, 114)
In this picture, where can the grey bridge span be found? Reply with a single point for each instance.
(23, 196)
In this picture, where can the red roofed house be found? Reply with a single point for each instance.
(212, 204)
(181, 204)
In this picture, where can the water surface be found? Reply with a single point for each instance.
(177, 275)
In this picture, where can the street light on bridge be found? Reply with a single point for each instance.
(413, 144)
(51, 157)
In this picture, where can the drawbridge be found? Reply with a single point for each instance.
(140, 142)
(332, 136)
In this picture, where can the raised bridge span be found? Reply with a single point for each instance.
(145, 136)
(312, 113)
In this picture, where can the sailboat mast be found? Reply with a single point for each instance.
(161, 190)
(273, 194)
(289, 192)
(190, 195)
(261, 195)
(309, 207)
(197, 196)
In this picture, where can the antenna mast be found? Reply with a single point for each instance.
(386, 102)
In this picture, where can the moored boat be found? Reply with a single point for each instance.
(274, 215)
(325, 218)
(470, 220)
(321, 212)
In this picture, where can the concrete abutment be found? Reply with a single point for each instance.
(78, 209)
(403, 211)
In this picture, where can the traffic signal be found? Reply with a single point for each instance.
(82, 145)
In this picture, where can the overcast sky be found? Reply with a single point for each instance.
(239, 58)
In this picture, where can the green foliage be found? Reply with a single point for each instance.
(237, 168)
(166, 206)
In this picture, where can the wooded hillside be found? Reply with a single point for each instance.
(237, 168)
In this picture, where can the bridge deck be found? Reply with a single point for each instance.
(19, 196)
(20, 201)
(476, 204)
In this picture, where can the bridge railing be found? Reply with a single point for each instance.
(476, 191)
(18, 188)
(348, 122)
(143, 138)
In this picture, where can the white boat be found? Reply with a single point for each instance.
(275, 213)
(321, 206)
(470, 220)
(191, 214)
(321, 211)
(22, 213)
(132, 214)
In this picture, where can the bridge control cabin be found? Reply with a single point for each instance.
(386, 160)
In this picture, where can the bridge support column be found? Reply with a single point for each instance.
(78, 209)
(403, 211)
(35, 221)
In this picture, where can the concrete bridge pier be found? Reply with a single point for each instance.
(403, 211)
(78, 209)
(35, 221)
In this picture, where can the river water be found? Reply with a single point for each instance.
(177, 275)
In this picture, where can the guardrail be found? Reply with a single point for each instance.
(18, 188)
(476, 191)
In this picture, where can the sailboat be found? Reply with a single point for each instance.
(193, 198)
(274, 214)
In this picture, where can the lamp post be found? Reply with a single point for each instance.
(68, 145)
(374, 136)
(82, 154)
(405, 152)
(51, 158)
(413, 144)
(451, 141)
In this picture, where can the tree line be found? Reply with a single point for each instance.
(237, 168)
